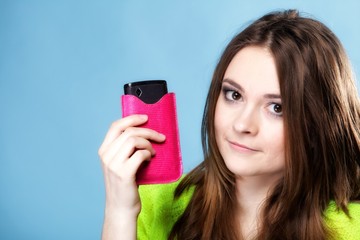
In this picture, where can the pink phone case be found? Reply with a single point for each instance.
(166, 165)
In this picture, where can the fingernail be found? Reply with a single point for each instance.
(143, 117)
(153, 152)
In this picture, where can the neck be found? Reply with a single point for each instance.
(251, 193)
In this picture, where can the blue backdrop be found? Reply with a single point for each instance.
(62, 68)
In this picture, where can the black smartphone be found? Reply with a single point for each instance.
(149, 91)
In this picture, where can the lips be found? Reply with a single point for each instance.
(242, 148)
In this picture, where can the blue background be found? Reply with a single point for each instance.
(62, 68)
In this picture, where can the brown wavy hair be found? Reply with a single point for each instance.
(321, 113)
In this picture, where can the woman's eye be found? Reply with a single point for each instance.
(275, 109)
(232, 95)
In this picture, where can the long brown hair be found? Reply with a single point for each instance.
(321, 112)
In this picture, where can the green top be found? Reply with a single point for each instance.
(160, 211)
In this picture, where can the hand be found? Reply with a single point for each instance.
(125, 147)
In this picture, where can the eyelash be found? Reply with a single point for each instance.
(270, 106)
(271, 109)
(227, 90)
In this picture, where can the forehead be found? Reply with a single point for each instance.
(254, 69)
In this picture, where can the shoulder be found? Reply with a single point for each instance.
(345, 226)
(159, 209)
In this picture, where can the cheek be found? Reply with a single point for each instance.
(218, 125)
(280, 141)
(219, 120)
(275, 144)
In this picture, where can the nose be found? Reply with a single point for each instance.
(247, 120)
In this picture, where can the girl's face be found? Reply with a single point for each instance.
(248, 117)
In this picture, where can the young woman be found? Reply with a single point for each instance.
(281, 139)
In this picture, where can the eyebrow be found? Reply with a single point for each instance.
(238, 86)
(233, 83)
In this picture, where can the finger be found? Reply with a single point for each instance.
(146, 133)
(119, 126)
(136, 160)
(127, 170)
(132, 132)
(123, 153)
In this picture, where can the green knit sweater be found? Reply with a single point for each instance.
(160, 211)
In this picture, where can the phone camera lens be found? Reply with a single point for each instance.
(138, 92)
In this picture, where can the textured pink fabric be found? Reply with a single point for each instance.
(166, 165)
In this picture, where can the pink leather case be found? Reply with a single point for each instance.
(166, 165)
